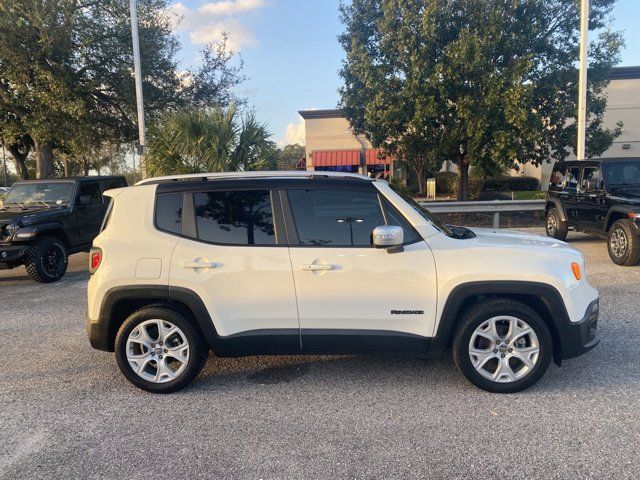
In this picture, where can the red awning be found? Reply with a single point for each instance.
(337, 158)
(376, 157)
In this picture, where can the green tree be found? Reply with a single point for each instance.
(211, 140)
(486, 83)
(290, 155)
(65, 72)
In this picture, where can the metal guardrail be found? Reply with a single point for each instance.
(494, 206)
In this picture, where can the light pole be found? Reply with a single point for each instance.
(142, 137)
(582, 80)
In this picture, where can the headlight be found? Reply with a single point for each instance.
(8, 230)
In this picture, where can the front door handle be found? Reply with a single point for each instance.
(198, 264)
(312, 267)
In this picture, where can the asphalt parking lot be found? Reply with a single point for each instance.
(67, 412)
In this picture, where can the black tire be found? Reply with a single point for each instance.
(555, 227)
(47, 260)
(623, 243)
(198, 351)
(478, 314)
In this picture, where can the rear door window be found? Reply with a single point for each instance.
(242, 217)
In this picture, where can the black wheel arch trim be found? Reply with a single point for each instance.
(547, 302)
(622, 210)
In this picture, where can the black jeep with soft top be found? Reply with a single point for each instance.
(42, 222)
(599, 197)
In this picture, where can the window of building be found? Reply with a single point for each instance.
(235, 218)
(335, 217)
(169, 212)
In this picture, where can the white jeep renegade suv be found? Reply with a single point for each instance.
(320, 263)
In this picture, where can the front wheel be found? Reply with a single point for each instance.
(623, 243)
(555, 227)
(47, 260)
(159, 350)
(502, 346)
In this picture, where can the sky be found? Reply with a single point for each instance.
(291, 53)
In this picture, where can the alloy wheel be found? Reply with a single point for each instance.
(618, 242)
(552, 225)
(504, 349)
(157, 351)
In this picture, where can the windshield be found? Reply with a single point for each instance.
(58, 193)
(426, 214)
(622, 174)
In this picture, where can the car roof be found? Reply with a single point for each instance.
(592, 161)
(72, 179)
(272, 175)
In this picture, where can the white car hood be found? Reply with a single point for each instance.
(509, 238)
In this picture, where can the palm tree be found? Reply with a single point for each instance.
(212, 140)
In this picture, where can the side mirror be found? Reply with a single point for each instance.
(84, 200)
(389, 237)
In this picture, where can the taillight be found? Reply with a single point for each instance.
(95, 259)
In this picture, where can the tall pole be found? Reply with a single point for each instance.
(582, 81)
(142, 137)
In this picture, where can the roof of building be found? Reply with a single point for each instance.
(625, 73)
(327, 113)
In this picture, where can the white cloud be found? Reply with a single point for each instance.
(208, 22)
(230, 7)
(295, 133)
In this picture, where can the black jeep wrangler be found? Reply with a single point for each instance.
(42, 222)
(599, 197)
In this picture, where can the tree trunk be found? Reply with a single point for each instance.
(85, 167)
(422, 182)
(463, 178)
(19, 161)
(44, 159)
(65, 161)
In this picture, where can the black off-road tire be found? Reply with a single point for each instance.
(198, 350)
(554, 225)
(623, 232)
(40, 262)
(479, 313)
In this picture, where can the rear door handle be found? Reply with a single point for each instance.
(198, 264)
(314, 267)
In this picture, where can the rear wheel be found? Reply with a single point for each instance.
(623, 243)
(159, 350)
(502, 346)
(556, 228)
(47, 260)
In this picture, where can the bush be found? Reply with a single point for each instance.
(516, 184)
(446, 183)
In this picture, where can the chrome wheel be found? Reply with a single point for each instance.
(552, 225)
(157, 351)
(504, 349)
(618, 242)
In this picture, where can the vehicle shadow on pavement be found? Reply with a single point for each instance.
(591, 371)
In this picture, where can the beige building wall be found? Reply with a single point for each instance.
(328, 130)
